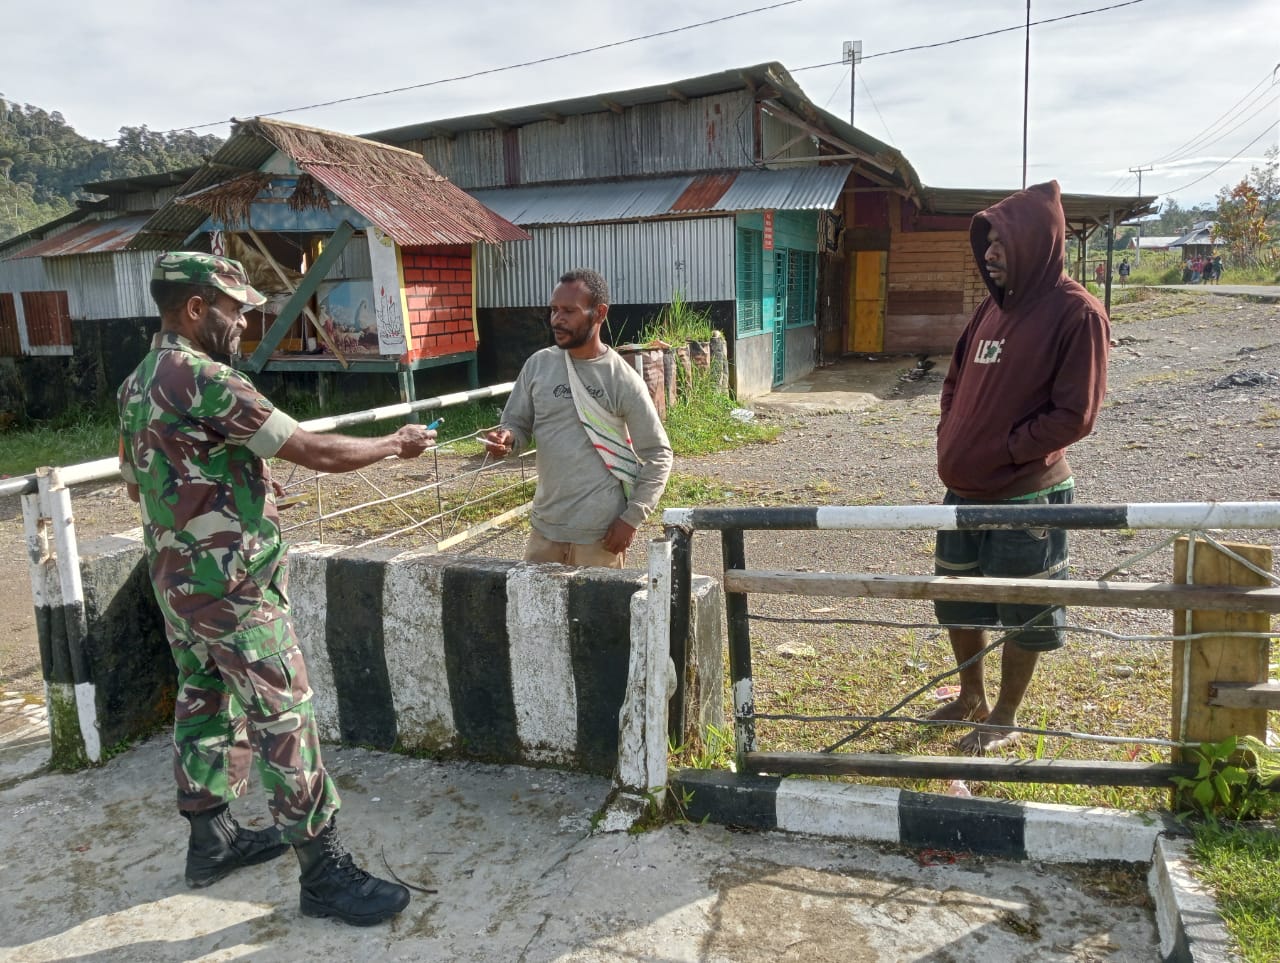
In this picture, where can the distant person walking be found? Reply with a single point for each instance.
(1100, 274)
(1124, 271)
(1027, 379)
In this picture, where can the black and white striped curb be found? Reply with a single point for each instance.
(1024, 831)
(1191, 928)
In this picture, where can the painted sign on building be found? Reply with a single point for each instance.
(390, 311)
(768, 230)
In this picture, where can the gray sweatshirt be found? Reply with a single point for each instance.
(577, 498)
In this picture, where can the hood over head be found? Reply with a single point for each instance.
(1033, 228)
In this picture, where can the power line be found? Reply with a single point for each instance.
(1201, 143)
(977, 36)
(497, 70)
(1273, 125)
(1229, 110)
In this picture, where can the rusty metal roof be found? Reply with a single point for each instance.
(395, 189)
(91, 237)
(722, 192)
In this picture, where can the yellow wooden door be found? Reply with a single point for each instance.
(867, 283)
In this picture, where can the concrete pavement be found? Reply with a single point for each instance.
(94, 862)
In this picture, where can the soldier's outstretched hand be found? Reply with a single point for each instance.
(413, 440)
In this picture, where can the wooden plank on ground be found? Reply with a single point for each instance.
(1135, 595)
(1199, 663)
(1080, 772)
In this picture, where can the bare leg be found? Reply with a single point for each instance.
(1016, 668)
(971, 703)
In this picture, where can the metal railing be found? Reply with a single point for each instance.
(105, 469)
(1254, 591)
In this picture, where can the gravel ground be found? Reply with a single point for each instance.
(1192, 412)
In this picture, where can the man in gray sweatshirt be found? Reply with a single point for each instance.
(603, 457)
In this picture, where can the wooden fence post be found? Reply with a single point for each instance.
(1200, 663)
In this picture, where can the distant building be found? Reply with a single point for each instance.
(75, 308)
(806, 238)
(1196, 242)
(1151, 243)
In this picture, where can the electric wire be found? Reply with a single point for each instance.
(1268, 129)
(976, 36)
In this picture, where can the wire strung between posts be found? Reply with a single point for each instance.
(1075, 629)
(1235, 556)
(437, 486)
(988, 726)
(1142, 556)
(976, 657)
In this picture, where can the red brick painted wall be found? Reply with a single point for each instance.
(437, 287)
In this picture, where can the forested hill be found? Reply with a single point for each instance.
(43, 162)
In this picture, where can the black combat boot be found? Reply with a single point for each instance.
(219, 845)
(333, 885)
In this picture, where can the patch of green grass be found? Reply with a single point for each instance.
(78, 436)
(700, 423)
(1241, 863)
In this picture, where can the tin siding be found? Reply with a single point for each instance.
(774, 133)
(90, 283)
(133, 283)
(643, 262)
(708, 133)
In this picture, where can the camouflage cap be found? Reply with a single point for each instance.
(192, 267)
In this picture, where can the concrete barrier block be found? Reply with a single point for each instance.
(485, 658)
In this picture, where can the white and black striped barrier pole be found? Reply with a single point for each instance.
(1152, 515)
(681, 523)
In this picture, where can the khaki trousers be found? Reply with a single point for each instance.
(541, 549)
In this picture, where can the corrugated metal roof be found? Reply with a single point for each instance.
(395, 189)
(417, 212)
(704, 192)
(1078, 207)
(126, 185)
(796, 189)
(92, 237)
(766, 81)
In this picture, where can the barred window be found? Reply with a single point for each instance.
(801, 287)
(750, 287)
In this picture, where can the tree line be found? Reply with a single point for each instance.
(44, 162)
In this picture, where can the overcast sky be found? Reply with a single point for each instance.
(1155, 82)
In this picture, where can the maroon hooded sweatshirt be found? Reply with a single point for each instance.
(1030, 370)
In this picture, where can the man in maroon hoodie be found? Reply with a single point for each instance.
(1027, 379)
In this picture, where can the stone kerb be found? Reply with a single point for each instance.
(414, 651)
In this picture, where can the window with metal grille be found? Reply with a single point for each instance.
(801, 287)
(780, 265)
(48, 318)
(750, 288)
(10, 343)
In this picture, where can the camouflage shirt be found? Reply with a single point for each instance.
(194, 437)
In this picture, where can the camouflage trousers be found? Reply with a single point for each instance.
(246, 697)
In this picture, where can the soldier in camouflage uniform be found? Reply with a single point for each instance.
(195, 436)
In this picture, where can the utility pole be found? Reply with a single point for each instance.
(1137, 255)
(1026, 95)
(853, 57)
